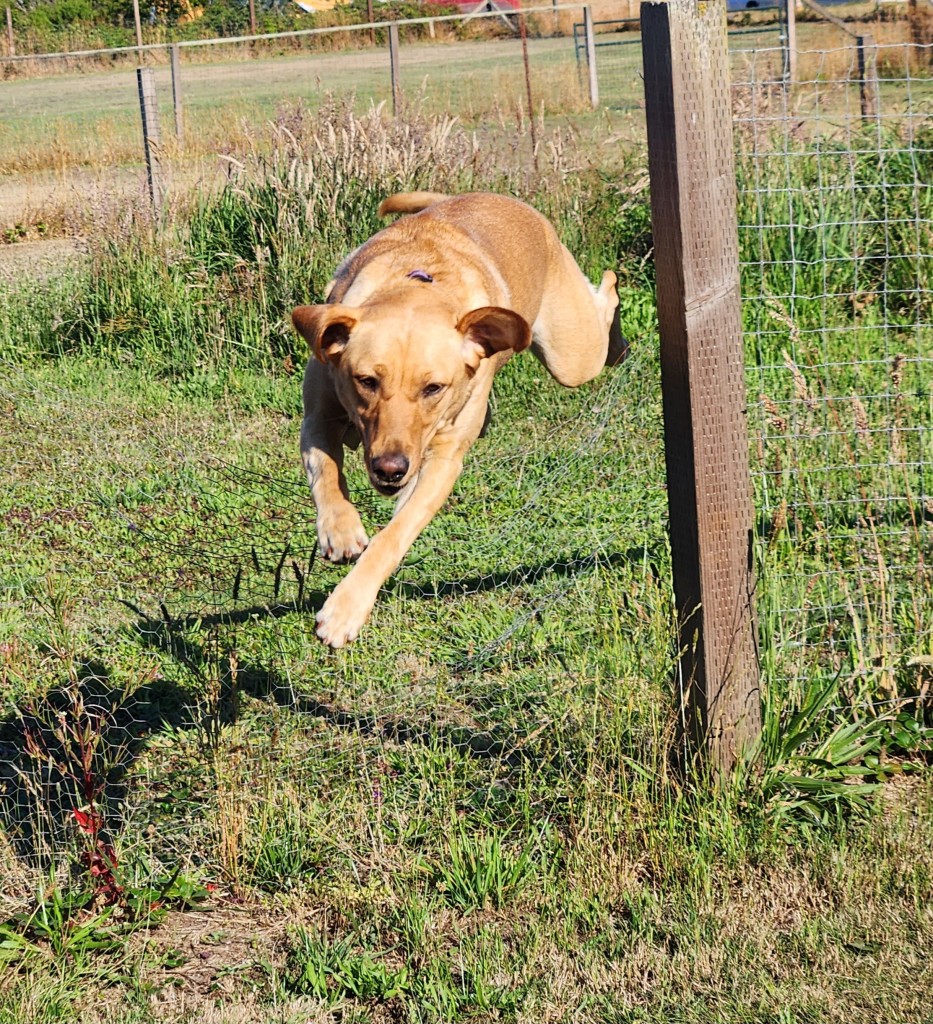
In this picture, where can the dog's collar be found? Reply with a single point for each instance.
(420, 275)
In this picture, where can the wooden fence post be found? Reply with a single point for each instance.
(393, 67)
(790, 41)
(693, 201)
(526, 64)
(591, 56)
(176, 94)
(152, 139)
(11, 42)
(139, 28)
(867, 75)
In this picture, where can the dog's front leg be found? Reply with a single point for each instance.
(348, 607)
(340, 533)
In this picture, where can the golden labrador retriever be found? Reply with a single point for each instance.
(416, 324)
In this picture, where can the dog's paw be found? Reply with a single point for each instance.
(343, 616)
(340, 535)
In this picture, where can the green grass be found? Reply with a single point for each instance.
(472, 812)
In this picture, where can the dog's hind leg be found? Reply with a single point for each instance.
(618, 344)
(576, 333)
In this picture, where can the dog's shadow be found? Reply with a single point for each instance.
(76, 746)
(521, 575)
(65, 757)
(187, 639)
(200, 655)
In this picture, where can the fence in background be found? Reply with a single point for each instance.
(215, 87)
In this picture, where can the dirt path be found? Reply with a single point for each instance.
(38, 260)
(55, 198)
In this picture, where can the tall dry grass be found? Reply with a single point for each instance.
(216, 282)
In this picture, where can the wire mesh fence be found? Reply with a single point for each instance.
(44, 121)
(87, 103)
(835, 217)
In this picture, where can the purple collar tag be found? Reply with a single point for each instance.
(420, 275)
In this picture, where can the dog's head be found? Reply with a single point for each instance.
(405, 371)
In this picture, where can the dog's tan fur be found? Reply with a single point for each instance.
(407, 363)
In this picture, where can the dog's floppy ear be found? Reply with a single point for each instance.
(325, 328)
(492, 329)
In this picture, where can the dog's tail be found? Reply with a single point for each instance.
(409, 202)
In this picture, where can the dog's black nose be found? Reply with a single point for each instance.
(389, 469)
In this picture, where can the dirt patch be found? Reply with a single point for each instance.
(38, 260)
(198, 960)
(26, 199)
(44, 218)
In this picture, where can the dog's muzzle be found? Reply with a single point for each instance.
(388, 471)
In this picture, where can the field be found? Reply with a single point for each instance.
(475, 812)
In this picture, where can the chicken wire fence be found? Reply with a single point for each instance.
(219, 607)
(835, 236)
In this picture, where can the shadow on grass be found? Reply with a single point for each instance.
(262, 683)
(69, 752)
(523, 575)
(311, 601)
(74, 747)
(192, 641)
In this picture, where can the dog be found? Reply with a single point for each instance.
(416, 323)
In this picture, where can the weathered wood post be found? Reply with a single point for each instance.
(790, 41)
(526, 64)
(11, 42)
(176, 94)
(867, 53)
(152, 138)
(139, 28)
(693, 200)
(394, 68)
(590, 39)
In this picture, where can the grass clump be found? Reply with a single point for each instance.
(213, 292)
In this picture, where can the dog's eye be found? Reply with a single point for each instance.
(367, 383)
(432, 389)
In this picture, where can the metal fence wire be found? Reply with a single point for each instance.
(836, 228)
